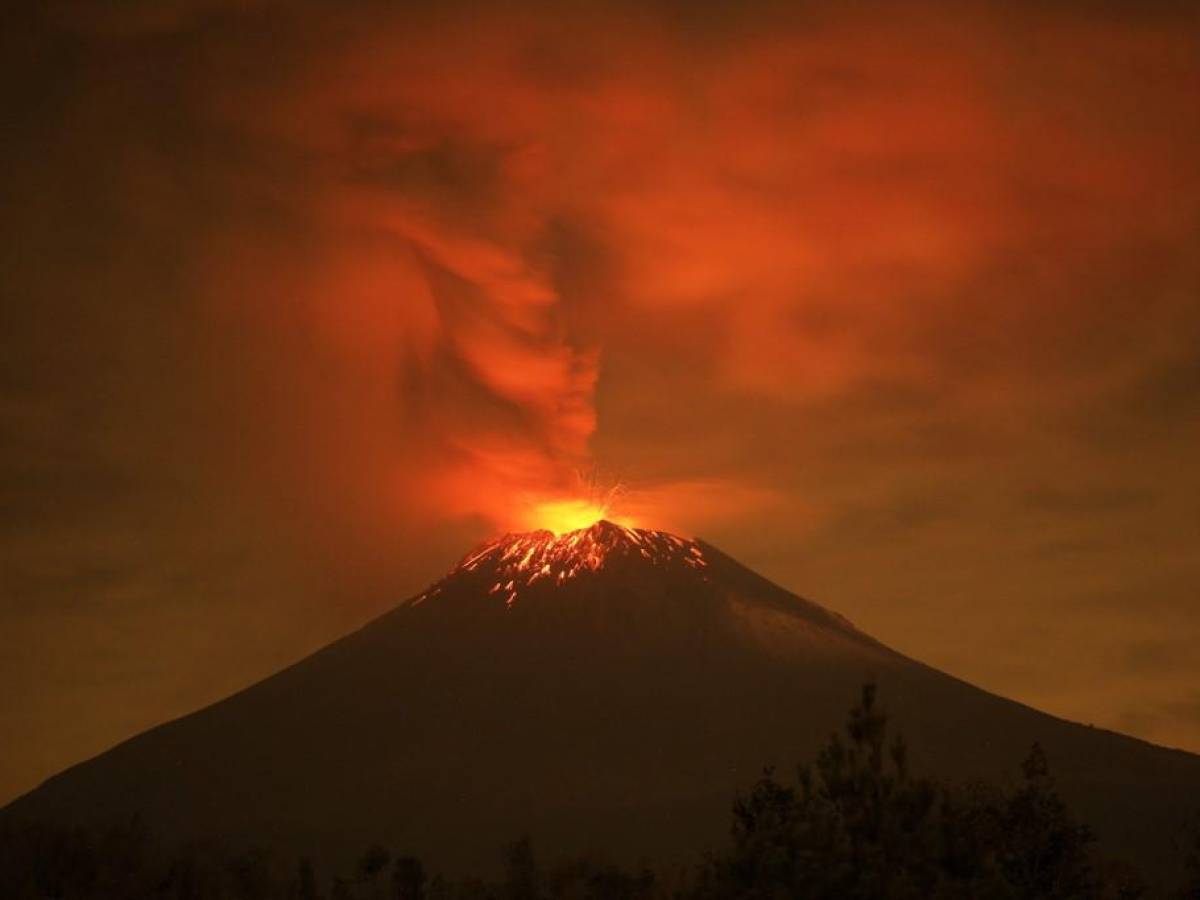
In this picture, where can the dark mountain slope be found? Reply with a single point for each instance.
(607, 690)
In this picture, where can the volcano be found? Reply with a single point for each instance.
(604, 691)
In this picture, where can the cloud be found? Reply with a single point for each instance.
(1160, 655)
(436, 263)
(1090, 500)
(810, 207)
(353, 284)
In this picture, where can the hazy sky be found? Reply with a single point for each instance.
(898, 305)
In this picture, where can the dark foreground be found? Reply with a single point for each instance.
(636, 681)
(855, 823)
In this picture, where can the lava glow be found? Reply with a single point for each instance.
(564, 516)
(518, 561)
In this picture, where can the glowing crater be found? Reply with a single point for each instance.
(564, 516)
(517, 561)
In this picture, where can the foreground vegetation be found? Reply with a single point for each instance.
(853, 825)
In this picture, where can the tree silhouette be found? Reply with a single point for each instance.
(1045, 852)
(306, 881)
(408, 879)
(250, 875)
(858, 825)
(370, 865)
(587, 879)
(521, 882)
(1191, 886)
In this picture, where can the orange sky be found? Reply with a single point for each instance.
(898, 305)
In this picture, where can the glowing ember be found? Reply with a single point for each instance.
(518, 561)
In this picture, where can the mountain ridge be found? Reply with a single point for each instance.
(616, 709)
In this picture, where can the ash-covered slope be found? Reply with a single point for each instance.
(607, 690)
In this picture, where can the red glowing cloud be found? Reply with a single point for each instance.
(481, 233)
(302, 298)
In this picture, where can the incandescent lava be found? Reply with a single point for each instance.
(518, 561)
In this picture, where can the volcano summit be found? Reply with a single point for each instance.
(606, 690)
(519, 561)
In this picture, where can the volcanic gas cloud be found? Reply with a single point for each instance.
(446, 245)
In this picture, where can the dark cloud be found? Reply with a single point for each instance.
(1069, 548)
(1171, 391)
(1083, 501)
(1160, 656)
